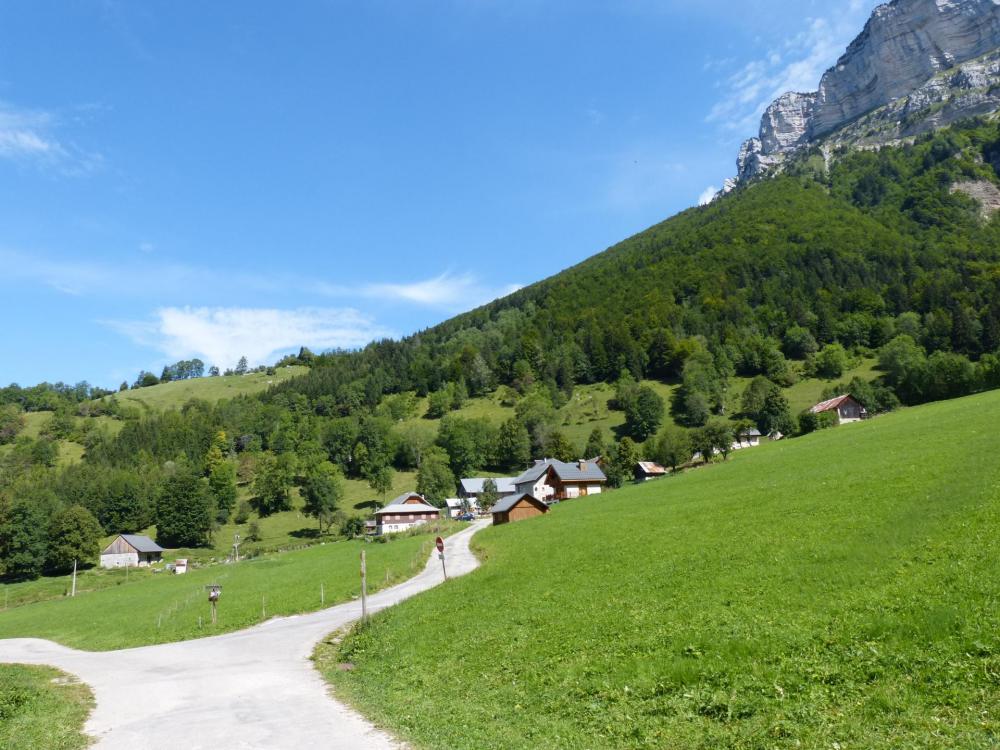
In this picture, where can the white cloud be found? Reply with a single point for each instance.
(221, 335)
(448, 291)
(29, 136)
(795, 64)
(707, 195)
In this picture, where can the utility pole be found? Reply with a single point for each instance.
(73, 592)
(364, 588)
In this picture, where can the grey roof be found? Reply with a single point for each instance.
(474, 485)
(752, 432)
(404, 497)
(453, 502)
(407, 508)
(142, 543)
(505, 504)
(567, 472)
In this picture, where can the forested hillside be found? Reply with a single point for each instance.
(704, 324)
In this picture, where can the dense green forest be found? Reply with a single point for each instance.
(872, 255)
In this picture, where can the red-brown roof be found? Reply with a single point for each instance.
(832, 403)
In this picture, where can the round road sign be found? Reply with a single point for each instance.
(439, 543)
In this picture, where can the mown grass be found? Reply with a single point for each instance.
(837, 590)
(162, 607)
(175, 394)
(41, 707)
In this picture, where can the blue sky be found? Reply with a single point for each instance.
(216, 179)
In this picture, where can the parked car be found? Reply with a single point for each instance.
(467, 517)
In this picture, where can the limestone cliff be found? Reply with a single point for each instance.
(918, 64)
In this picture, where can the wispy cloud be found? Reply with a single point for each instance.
(30, 136)
(221, 335)
(447, 291)
(796, 64)
(707, 195)
(143, 276)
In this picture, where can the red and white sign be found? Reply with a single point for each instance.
(439, 543)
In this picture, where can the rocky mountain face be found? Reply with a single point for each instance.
(918, 65)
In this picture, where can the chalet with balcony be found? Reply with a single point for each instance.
(550, 480)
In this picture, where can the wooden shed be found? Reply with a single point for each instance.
(517, 508)
(131, 550)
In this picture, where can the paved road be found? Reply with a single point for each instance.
(254, 688)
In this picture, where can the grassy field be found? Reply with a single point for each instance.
(41, 707)
(175, 394)
(833, 591)
(165, 607)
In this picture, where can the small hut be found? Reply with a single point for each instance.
(517, 508)
(132, 551)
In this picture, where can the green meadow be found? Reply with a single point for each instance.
(838, 590)
(41, 707)
(164, 607)
(175, 394)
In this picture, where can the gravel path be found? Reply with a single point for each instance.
(254, 688)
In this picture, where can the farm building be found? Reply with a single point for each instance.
(747, 439)
(517, 508)
(845, 407)
(470, 489)
(131, 550)
(455, 506)
(646, 470)
(404, 513)
(550, 479)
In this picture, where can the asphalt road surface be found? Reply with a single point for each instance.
(254, 688)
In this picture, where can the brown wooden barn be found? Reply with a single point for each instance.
(517, 508)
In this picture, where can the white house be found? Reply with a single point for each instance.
(550, 479)
(131, 550)
(747, 439)
(454, 506)
(405, 512)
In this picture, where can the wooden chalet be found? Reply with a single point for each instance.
(646, 470)
(845, 407)
(132, 551)
(550, 479)
(517, 508)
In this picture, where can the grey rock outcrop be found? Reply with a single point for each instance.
(910, 60)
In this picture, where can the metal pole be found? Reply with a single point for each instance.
(443, 569)
(322, 596)
(213, 611)
(364, 588)
(73, 592)
(263, 609)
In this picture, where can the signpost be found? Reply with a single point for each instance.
(236, 547)
(439, 543)
(364, 588)
(214, 592)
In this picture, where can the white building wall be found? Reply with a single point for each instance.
(593, 489)
(130, 559)
(395, 528)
